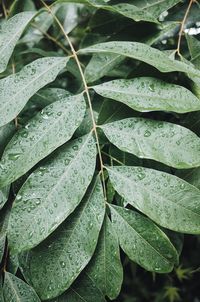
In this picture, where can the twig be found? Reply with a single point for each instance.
(183, 25)
(86, 90)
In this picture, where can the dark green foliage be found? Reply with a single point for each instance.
(100, 150)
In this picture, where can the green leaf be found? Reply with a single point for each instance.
(60, 259)
(20, 6)
(194, 48)
(105, 268)
(45, 132)
(124, 9)
(143, 241)
(99, 65)
(4, 192)
(10, 34)
(165, 198)
(165, 142)
(17, 89)
(149, 94)
(146, 12)
(6, 132)
(155, 7)
(51, 193)
(144, 53)
(2, 245)
(14, 289)
(192, 176)
(83, 289)
(47, 96)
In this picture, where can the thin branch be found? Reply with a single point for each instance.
(86, 90)
(183, 25)
(13, 71)
(4, 9)
(113, 158)
(51, 38)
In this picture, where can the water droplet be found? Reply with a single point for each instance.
(14, 156)
(182, 186)
(147, 133)
(63, 264)
(151, 87)
(18, 197)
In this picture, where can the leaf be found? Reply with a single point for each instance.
(51, 193)
(83, 289)
(14, 289)
(20, 6)
(125, 9)
(165, 198)
(60, 259)
(99, 65)
(192, 176)
(45, 132)
(71, 14)
(143, 241)
(17, 89)
(145, 12)
(194, 48)
(149, 94)
(144, 53)
(105, 268)
(2, 245)
(168, 143)
(6, 133)
(10, 34)
(47, 96)
(156, 7)
(4, 192)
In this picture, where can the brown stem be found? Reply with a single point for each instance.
(183, 25)
(86, 90)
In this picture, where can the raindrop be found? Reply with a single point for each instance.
(147, 133)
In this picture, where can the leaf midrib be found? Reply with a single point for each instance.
(35, 79)
(133, 93)
(154, 194)
(156, 251)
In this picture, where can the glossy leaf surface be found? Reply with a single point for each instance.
(24, 84)
(56, 263)
(144, 53)
(166, 199)
(143, 241)
(49, 129)
(105, 268)
(149, 94)
(14, 289)
(168, 143)
(51, 193)
(10, 34)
